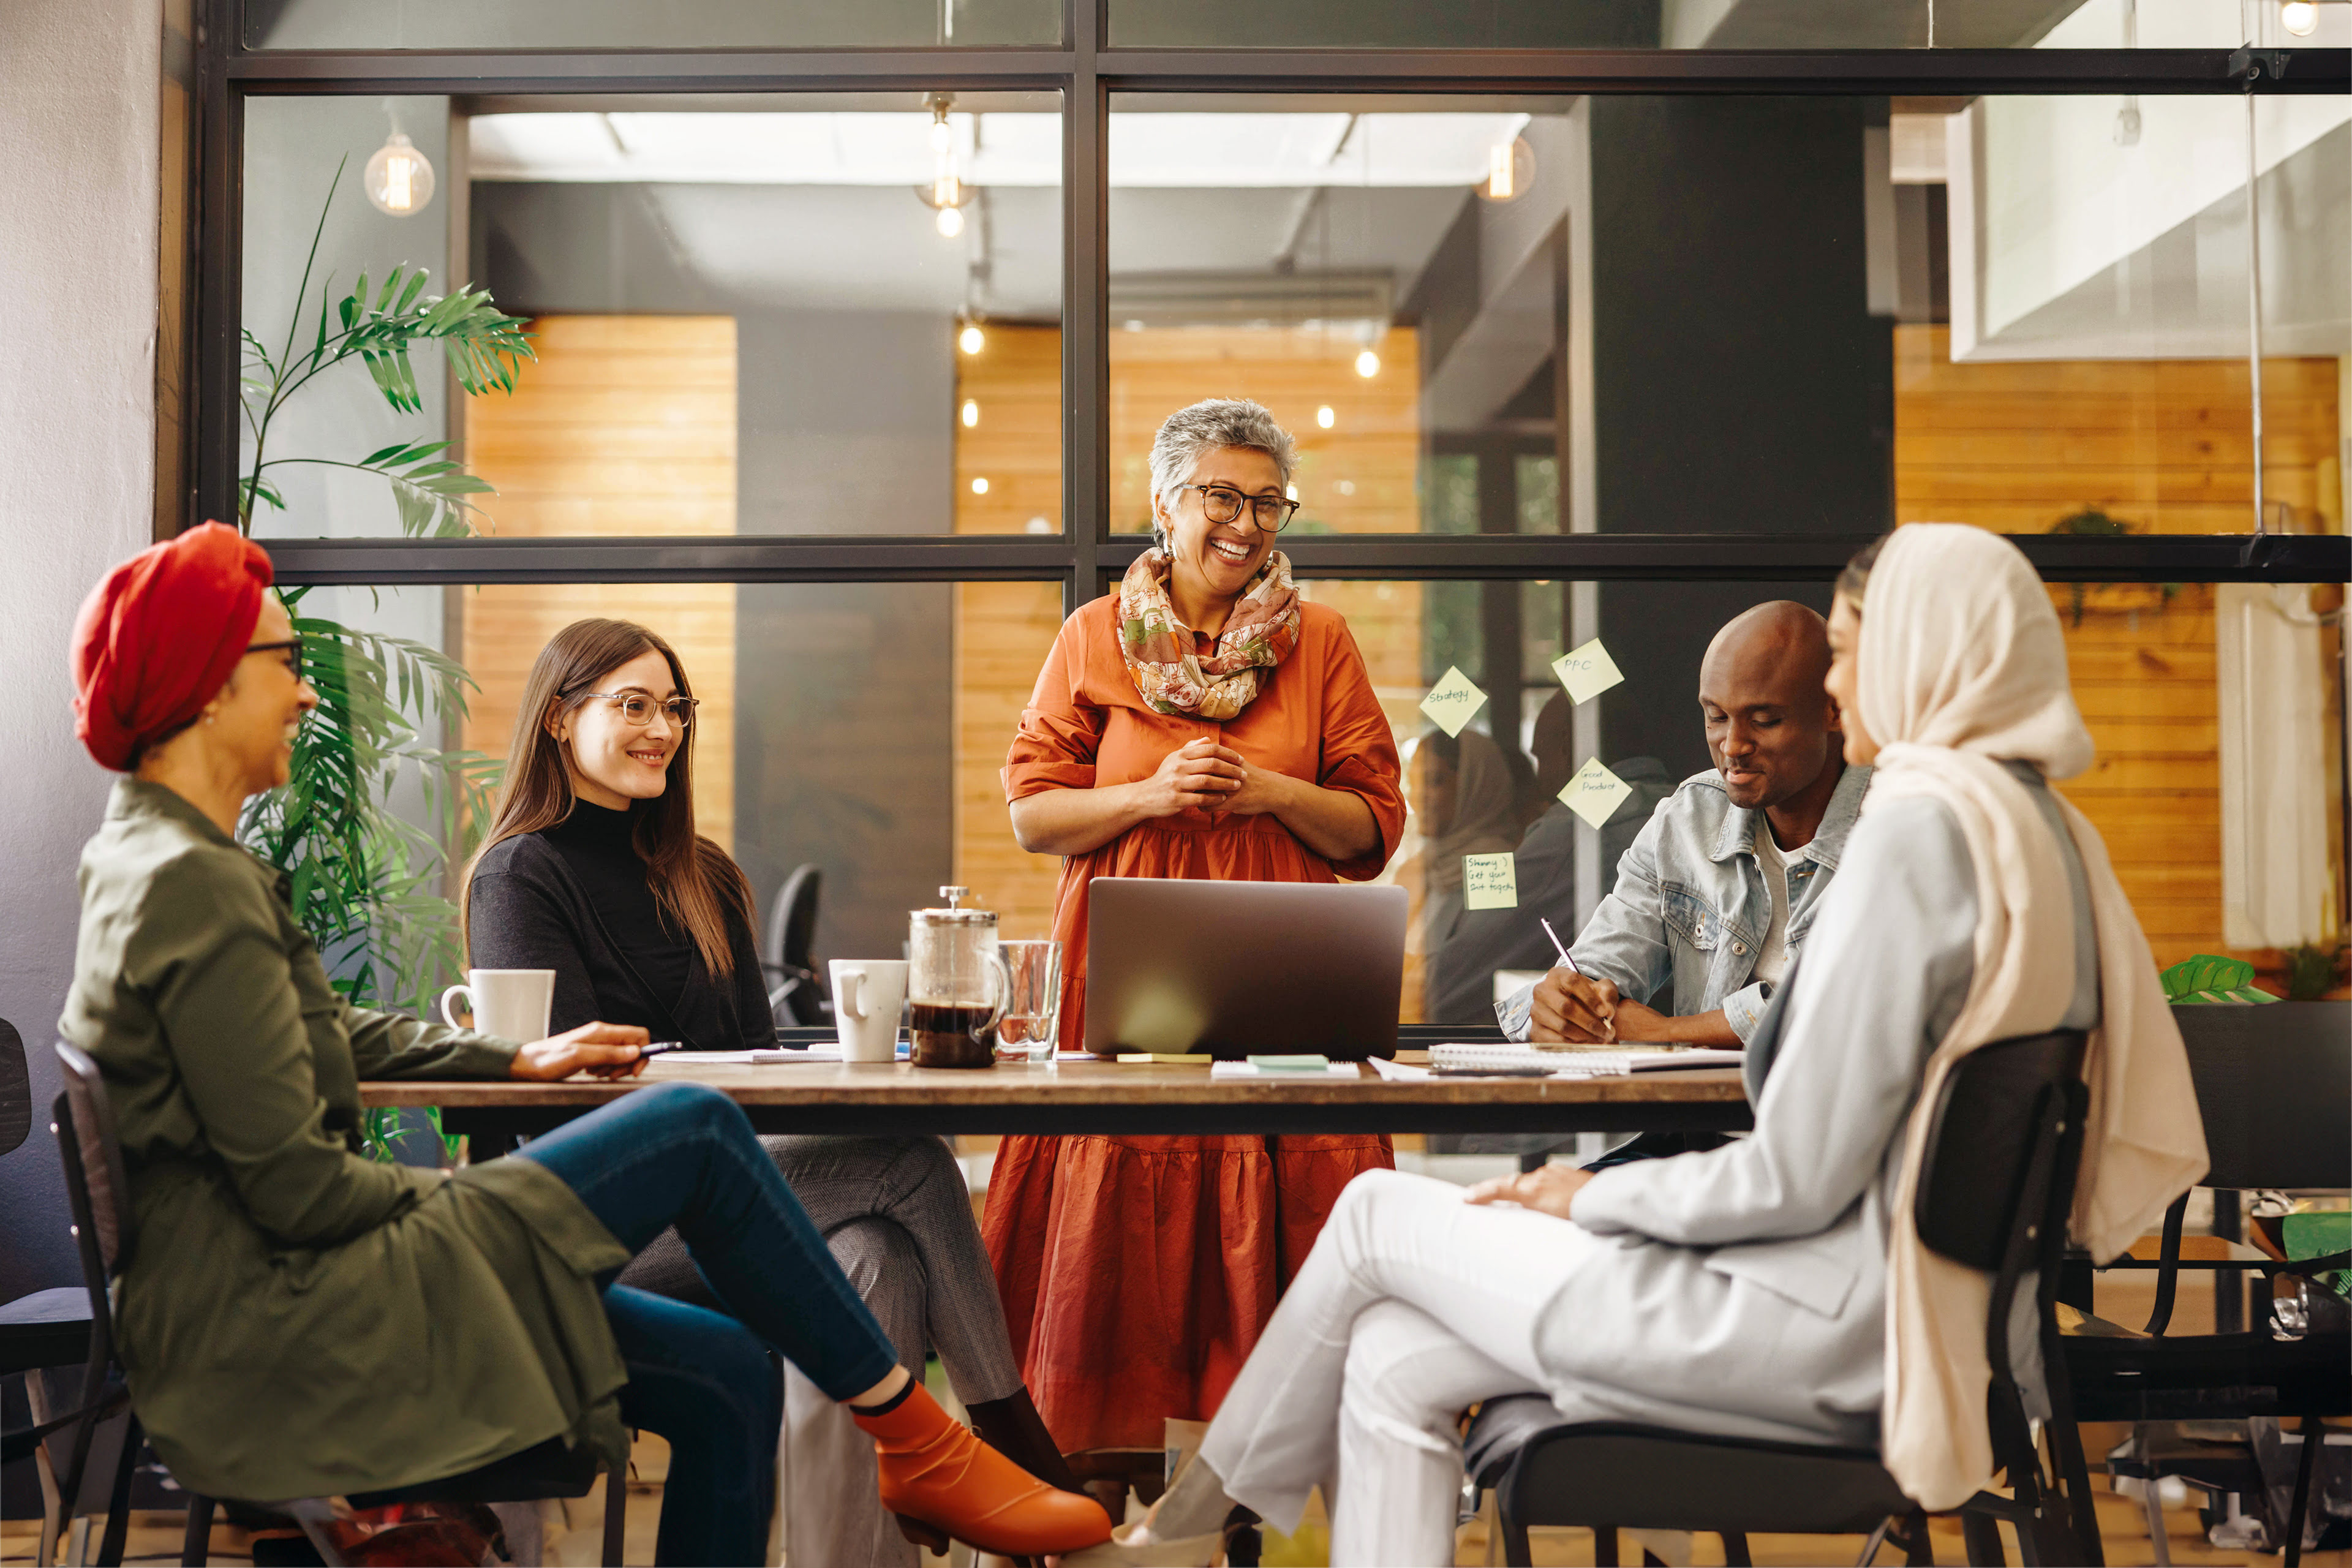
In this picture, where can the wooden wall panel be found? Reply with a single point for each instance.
(2164, 445)
(624, 425)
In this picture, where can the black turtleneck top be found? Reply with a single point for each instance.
(573, 898)
(597, 847)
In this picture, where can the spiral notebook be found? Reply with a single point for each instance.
(1581, 1063)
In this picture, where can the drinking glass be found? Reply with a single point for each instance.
(1032, 1008)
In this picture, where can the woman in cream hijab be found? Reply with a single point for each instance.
(1773, 1287)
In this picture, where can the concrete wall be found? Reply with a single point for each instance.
(80, 89)
(1740, 385)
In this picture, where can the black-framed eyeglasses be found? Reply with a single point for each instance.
(291, 647)
(637, 709)
(1223, 503)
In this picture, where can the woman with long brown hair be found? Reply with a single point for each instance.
(593, 869)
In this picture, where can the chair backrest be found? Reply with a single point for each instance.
(95, 1183)
(2272, 1085)
(792, 921)
(1978, 1183)
(1997, 1181)
(16, 1090)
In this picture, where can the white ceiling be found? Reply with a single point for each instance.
(1180, 151)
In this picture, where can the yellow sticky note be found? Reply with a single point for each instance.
(1490, 882)
(1594, 792)
(1586, 671)
(1452, 702)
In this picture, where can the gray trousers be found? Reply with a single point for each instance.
(897, 1216)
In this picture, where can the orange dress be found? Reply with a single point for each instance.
(1137, 1273)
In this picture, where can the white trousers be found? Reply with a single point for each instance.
(1412, 1307)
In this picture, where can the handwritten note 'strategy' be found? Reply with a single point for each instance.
(1594, 792)
(1586, 671)
(1452, 701)
(1490, 882)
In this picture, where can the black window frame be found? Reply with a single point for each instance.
(1085, 69)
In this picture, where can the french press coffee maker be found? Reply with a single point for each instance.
(956, 983)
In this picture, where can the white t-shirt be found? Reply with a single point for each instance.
(1772, 958)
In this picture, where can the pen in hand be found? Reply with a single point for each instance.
(1570, 964)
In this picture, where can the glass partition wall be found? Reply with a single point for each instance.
(846, 364)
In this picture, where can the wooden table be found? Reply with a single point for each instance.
(1107, 1098)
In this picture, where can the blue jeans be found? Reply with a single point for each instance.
(683, 1154)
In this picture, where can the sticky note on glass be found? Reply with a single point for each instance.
(1593, 793)
(1452, 702)
(1490, 882)
(1586, 671)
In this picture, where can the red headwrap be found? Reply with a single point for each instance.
(163, 634)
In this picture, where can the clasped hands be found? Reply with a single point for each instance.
(1202, 773)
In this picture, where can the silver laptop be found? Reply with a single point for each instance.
(1235, 968)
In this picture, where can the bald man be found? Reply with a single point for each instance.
(1719, 890)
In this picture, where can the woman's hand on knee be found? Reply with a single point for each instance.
(604, 1050)
(1548, 1189)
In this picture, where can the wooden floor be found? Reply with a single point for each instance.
(2123, 1529)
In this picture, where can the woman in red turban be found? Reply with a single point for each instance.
(299, 1319)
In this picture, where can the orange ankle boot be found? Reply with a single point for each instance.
(939, 1480)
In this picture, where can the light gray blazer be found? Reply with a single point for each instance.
(1754, 1274)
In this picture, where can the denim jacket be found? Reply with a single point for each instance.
(1683, 927)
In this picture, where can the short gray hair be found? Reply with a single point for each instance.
(1191, 434)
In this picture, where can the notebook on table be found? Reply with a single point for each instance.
(1579, 1063)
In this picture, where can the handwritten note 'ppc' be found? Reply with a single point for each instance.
(1452, 702)
(1593, 793)
(1586, 671)
(1490, 882)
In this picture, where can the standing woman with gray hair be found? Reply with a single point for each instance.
(1204, 721)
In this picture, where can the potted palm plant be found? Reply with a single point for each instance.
(367, 881)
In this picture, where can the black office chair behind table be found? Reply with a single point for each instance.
(42, 1329)
(99, 1190)
(795, 993)
(1994, 1191)
(2271, 1086)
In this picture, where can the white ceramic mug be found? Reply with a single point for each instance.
(867, 997)
(512, 1004)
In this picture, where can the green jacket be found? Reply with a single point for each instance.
(296, 1319)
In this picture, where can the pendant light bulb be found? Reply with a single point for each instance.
(2300, 17)
(1326, 417)
(1510, 170)
(951, 223)
(1368, 364)
(971, 340)
(398, 179)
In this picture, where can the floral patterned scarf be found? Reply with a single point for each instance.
(1170, 677)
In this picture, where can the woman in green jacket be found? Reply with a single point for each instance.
(299, 1319)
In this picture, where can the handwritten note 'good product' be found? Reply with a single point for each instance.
(1586, 671)
(1452, 702)
(1594, 792)
(1490, 882)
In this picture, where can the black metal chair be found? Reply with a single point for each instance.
(1998, 1180)
(43, 1329)
(795, 993)
(2272, 1085)
(99, 1190)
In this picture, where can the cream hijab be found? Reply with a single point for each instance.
(1962, 665)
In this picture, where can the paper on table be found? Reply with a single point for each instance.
(1452, 702)
(1398, 1072)
(1251, 1069)
(1593, 793)
(1490, 881)
(758, 1058)
(1586, 671)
